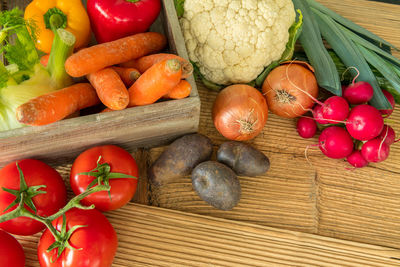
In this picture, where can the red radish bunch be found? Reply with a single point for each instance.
(349, 120)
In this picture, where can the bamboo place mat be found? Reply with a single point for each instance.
(322, 198)
(150, 236)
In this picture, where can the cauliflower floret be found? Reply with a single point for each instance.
(233, 41)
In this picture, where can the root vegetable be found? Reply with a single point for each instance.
(180, 158)
(389, 96)
(388, 135)
(375, 150)
(243, 159)
(356, 159)
(306, 127)
(335, 109)
(364, 122)
(358, 93)
(216, 184)
(240, 112)
(335, 142)
(290, 90)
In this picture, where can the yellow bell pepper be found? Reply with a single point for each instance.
(50, 15)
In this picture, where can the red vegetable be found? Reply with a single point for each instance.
(335, 109)
(94, 243)
(358, 93)
(388, 135)
(335, 142)
(119, 161)
(240, 112)
(389, 96)
(111, 19)
(35, 173)
(375, 150)
(364, 122)
(306, 127)
(356, 159)
(11, 252)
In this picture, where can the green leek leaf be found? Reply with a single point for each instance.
(349, 24)
(351, 56)
(310, 38)
(359, 40)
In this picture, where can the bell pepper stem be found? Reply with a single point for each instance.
(62, 47)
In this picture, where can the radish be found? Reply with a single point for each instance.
(306, 127)
(364, 122)
(375, 150)
(335, 142)
(335, 109)
(358, 93)
(317, 113)
(389, 96)
(356, 159)
(387, 135)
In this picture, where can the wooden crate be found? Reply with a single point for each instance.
(144, 126)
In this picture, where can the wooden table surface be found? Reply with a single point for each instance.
(297, 214)
(322, 198)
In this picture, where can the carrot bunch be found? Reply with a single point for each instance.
(122, 73)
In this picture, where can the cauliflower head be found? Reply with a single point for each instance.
(232, 41)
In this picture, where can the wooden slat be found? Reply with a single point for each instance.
(131, 128)
(150, 236)
(322, 196)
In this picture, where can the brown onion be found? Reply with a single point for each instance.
(290, 89)
(240, 112)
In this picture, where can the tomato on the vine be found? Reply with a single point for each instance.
(113, 165)
(11, 252)
(46, 200)
(92, 241)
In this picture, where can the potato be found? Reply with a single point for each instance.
(243, 159)
(216, 184)
(180, 158)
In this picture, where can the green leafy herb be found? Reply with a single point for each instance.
(179, 7)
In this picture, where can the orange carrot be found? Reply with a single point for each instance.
(57, 105)
(110, 88)
(44, 59)
(106, 110)
(155, 82)
(144, 63)
(180, 91)
(97, 57)
(128, 75)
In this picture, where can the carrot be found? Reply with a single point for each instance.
(44, 59)
(128, 75)
(57, 105)
(110, 88)
(180, 91)
(97, 57)
(155, 82)
(106, 110)
(144, 63)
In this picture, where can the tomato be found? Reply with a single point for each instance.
(35, 173)
(11, 252)
(95, 243)
(120, 161)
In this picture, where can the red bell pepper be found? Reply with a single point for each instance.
(114, 19)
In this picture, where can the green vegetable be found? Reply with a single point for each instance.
(310, 38)
(179, 7)
(351, 56)
(294, 33)
(349, 24)
(25, 78)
